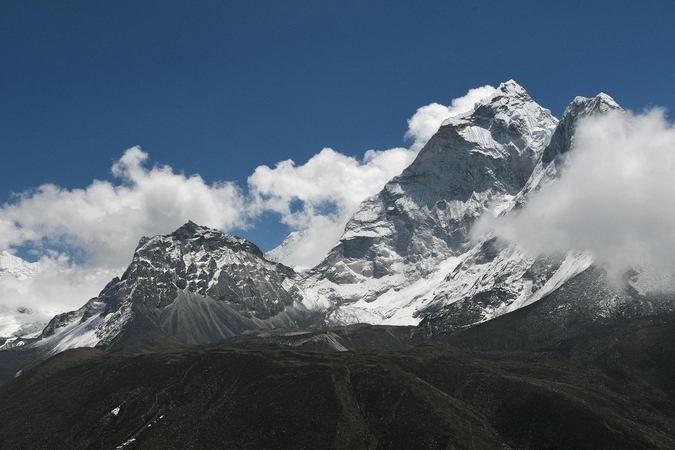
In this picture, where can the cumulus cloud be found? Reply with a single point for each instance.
(105, 219)
(328, 189)
(426, 121)
(614, 197)
(101, 225)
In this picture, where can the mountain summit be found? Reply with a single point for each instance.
(422, 218)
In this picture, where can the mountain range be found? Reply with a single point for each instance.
(410, 265)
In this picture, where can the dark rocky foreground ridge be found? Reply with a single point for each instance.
(284, 389)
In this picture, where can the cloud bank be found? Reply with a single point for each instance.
(614, 198)
(59, 286)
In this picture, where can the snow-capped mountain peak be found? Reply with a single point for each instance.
(510, 87)
(562, 139)
(422, 218)
(195, 285)
(407, 255)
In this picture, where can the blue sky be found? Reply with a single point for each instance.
(220, 88)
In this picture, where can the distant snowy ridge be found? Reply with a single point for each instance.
(20, 321)
(17, 267)
(284, 252)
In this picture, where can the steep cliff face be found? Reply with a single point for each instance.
(424, 215)
(421, 220)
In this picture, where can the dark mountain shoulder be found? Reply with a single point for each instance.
(566, 320)
(632, 343)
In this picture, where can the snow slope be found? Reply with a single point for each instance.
(18, 268)
(407, 254)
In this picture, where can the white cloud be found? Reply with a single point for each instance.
(614, 197)
(105, 220)
(426, 121)
(329, 187)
